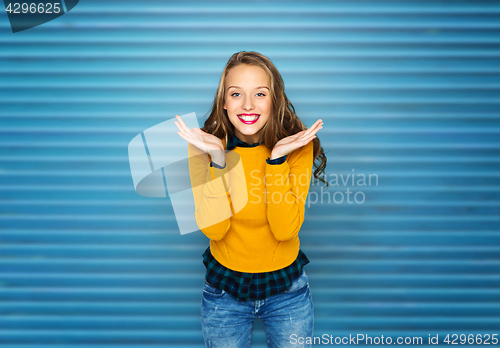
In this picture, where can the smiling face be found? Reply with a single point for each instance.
(248, 101)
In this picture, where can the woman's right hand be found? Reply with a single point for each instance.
(204, 141)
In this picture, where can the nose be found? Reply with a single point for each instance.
(247, 104)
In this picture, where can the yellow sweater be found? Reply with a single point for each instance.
(251, 211)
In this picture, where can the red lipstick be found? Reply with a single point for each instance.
(249, 118)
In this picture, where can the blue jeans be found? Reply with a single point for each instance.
(288, 317)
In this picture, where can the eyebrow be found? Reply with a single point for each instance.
(240, 87)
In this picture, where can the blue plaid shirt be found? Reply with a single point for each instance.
(251, 286)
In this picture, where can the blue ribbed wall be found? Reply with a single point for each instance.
(408, 90)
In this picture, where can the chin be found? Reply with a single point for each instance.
(250, 130)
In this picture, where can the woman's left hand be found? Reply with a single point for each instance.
(293, 142)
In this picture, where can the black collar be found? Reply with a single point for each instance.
(234, 141)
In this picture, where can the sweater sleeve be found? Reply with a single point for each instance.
(287, 186)
(211, 194)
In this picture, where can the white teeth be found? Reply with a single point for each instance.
(249, 118)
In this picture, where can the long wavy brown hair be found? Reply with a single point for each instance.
(283, 120)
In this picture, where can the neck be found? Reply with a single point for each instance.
(249, 139)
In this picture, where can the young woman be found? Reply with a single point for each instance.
(250, 203)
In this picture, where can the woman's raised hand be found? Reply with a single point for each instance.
(293, 142)
(204, 141)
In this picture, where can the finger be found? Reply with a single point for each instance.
(308, 139)
(313, 127)
(315, 131)
(312, 136)
(300, 133)
(179, 125)
(188, 134)
(191, 133)
(194, 141)
(182, 130)
(182, 124)
(312, 131)
(198, 132)
(196, 137)
(183, 136)
(317, 124)
(317, 127)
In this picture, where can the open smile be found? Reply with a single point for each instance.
(249, 119)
